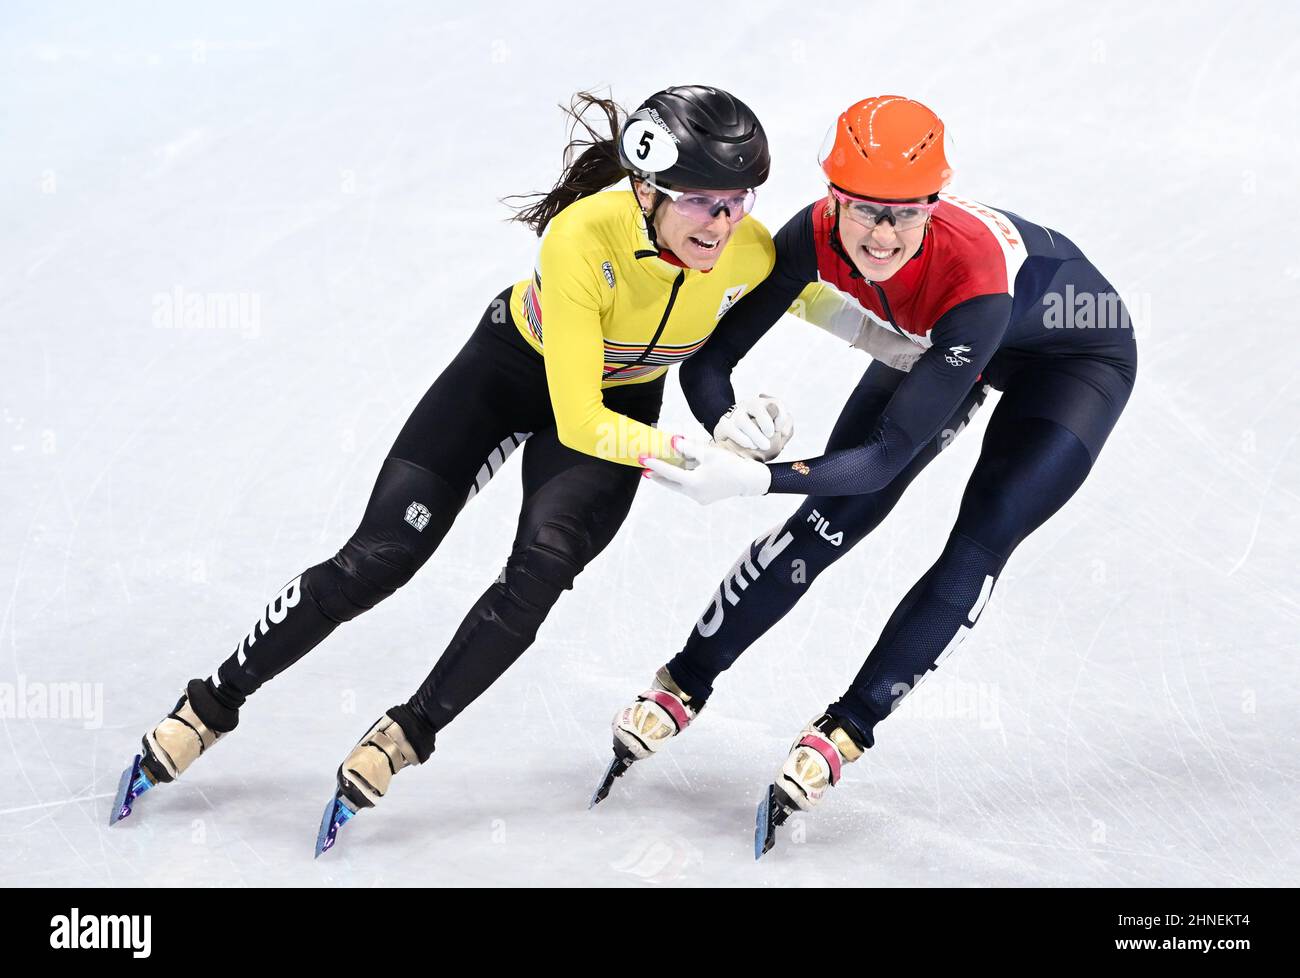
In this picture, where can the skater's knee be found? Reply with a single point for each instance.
(964, 575)
(826, 528)
(538, 572)
(366, 570)
(816, 543)
(991, 518)
(410, 510)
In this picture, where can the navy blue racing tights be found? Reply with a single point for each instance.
(1030, 464)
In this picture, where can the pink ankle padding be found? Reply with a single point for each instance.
(670, 703)
(827, 750)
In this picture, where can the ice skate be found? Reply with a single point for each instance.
(660, 713)
(365, 775)
(173, 745)
(813, 766)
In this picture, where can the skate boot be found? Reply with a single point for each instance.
(660, 713)
(198, 721)
(813, 766)
(364, 776)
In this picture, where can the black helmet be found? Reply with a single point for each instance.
(697, 137)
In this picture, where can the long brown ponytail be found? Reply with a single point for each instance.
(593, 169)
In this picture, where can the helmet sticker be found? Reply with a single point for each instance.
(649, 147)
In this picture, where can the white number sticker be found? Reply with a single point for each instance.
(648, 147)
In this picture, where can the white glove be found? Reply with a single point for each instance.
(757, 428)
(712, 473)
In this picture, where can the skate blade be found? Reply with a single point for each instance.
(617, 767)
(133, 783)
(771, 813)
(337, 813)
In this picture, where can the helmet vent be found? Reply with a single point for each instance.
(925, 144)
(857, 142)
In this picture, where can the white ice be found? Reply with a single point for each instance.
(1126, 711)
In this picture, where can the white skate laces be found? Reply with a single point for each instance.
(660, 713)
(816, 761)
(179, 739)
(379, 755)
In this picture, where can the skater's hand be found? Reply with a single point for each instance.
(756, 428)
(711, 473)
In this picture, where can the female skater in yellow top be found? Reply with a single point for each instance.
(570, 363)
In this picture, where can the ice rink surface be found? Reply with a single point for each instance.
(1125, 713)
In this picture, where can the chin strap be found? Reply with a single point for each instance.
(649, 228)
(648, 218)
(837, 245)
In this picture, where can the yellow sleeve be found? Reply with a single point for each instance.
(828, 309)
(574, 351)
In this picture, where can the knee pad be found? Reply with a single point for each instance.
(364, 572)
(538, 572)
(409, 513)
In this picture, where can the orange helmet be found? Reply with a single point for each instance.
(887, 148)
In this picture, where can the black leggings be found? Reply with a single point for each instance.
(1031, 462)
(491, 399)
